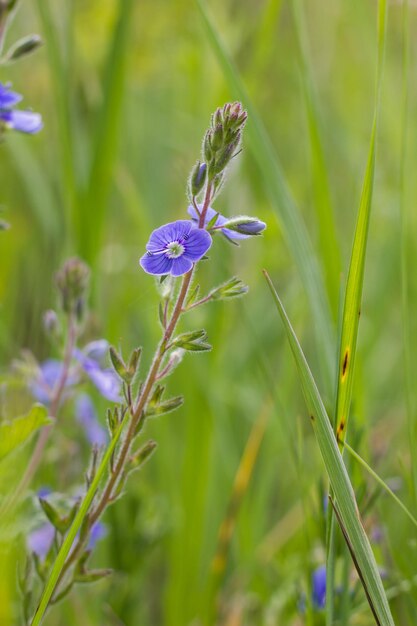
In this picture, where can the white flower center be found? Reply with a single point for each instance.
(174, 250)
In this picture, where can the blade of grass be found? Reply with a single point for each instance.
(328, 239)
(352, 301)
(295, 232)
(338, 476)
(75, 527)
(107, 132)
(354, 285)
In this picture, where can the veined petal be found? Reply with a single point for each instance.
(157, 264)
(162, 236)
(197, 244)
(181, 265)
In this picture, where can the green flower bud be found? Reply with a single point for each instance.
(198, 178)
(72, 282)
(23, 47)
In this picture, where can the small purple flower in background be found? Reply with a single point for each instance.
(23, 121)
(50, 372)
(105, 379)
(40, 540)
(319, 587)
(251, 228)
(87, 417)
(90, 360)
(174, 248)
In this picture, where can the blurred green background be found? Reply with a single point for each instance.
(126, 90)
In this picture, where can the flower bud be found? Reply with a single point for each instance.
(23, 47)
(50, 322)
(198, 178)
(72, 282)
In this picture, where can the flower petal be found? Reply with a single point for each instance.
(174, 231)
(157, 264)
(197, 244)
(181, 265)
(87, 416)
(8, 98)
(23, 121)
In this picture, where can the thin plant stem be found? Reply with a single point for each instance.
(137, 412)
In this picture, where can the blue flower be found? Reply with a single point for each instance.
(174, 248)
(91, 361)
(40, 540)
(105, 379)
(49, 374)
(246, 230)
(319, 587)
(24, 121)
(87, 417)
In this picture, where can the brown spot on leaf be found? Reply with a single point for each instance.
(345, 363)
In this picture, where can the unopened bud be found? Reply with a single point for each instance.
(198, 178)
(50, 322)
(72, 281)
(23, 47)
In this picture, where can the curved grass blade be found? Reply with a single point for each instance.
(295, 232)
(354, 285)
(75, 527)
(344, 496)
(381, 482)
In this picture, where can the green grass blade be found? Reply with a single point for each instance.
(354, 285)
(291, 222)
(75, 527)
(342, 488)
(107, 134)
(328, 238)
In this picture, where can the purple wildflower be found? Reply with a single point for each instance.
(23, 121)
(174, 248)
(40, 540)
(105, 379)
(87, 417)
(319, 587)
(50, 373)
(246, 230)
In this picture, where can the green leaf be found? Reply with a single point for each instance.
(15, 433)
(354, 285)
(345, 500)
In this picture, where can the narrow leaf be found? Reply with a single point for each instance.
(338, 476)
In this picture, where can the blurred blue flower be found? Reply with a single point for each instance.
(90, 360)
(251, 228)
(105, 379)
(40, 540)
(174, 248)
(23, 121)
(319, 587)
(87, 416)
(50, 372)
